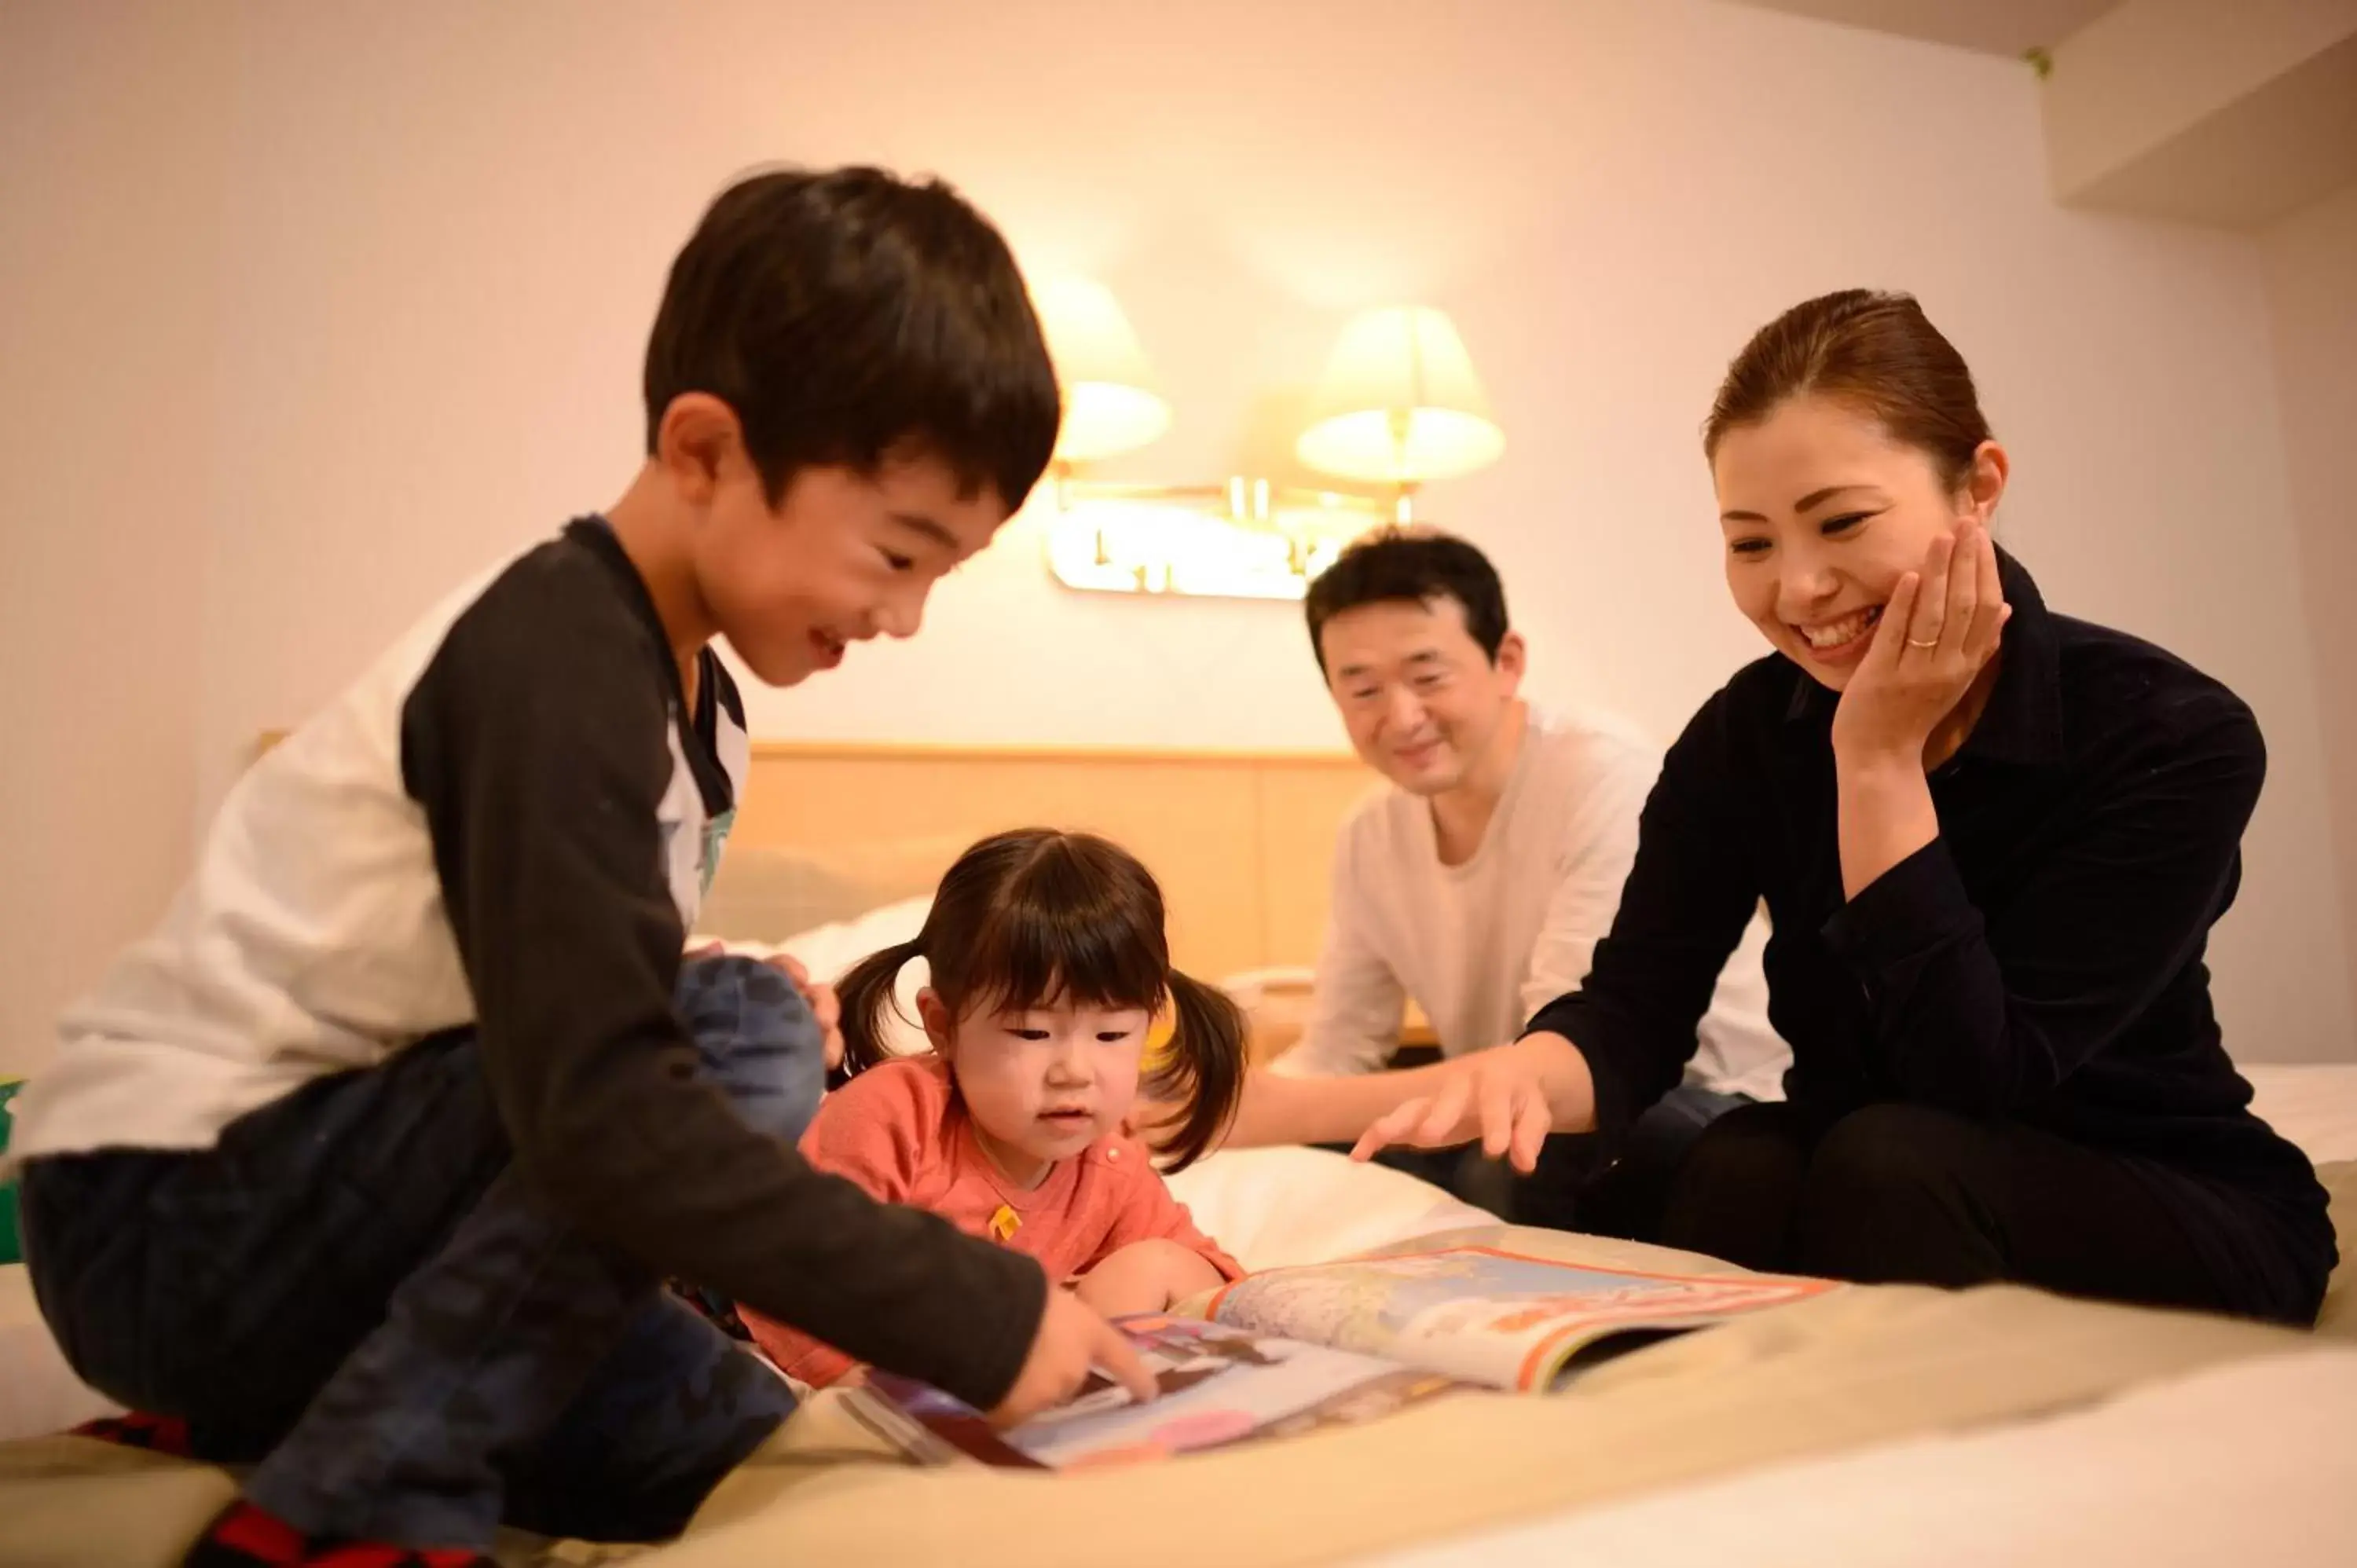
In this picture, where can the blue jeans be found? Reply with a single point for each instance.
(356, 1289)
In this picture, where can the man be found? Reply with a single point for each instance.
(1477, 882)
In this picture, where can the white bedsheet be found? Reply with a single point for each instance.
(1274, 1207)
(2251, 1463)
(38, 1392)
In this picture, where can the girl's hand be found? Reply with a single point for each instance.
(1147, 1277)
(1510, 1096)
(1937, 633)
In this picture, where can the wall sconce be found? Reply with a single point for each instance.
(1113, 403)
(1399, 404)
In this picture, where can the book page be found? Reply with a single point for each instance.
(1484, 1315)
(1218, 1386)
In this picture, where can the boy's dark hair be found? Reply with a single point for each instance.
(1409, 566)
(848, 318)
(1035, 915)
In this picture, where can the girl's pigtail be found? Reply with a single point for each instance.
(866, 992)
(1203, 1072)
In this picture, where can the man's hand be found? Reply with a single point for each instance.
(1072, 1341)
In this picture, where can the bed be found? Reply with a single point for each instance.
(1882, 1424)
(1874, 1426)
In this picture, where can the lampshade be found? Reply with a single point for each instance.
(1111, 404)
(1399, 402)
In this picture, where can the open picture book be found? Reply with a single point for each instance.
(1333, 1344)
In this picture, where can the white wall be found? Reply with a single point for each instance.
(2311, 265)
(2148, 74)
(110, 175)
(445, 225)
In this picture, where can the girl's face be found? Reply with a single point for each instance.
(1041, 1085)
(1824, 512)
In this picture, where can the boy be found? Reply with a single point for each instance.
(368, 1165)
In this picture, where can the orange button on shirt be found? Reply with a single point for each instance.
(899, 1131)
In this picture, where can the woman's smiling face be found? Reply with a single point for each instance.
(1823, 511)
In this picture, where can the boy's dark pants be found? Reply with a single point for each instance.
(358, 1290)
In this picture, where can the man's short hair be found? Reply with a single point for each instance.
(1400, 566)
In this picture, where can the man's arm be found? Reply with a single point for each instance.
(1278, 1108)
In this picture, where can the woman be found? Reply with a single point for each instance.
(1992, 840)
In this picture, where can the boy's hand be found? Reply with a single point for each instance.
(824, 1005)
(1072, 1339)
(1147, 1277)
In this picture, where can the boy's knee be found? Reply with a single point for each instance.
(759, 1039)
(740, 995)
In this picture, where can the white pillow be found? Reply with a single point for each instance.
(1274, 1207)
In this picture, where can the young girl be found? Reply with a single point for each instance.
(1047, 963)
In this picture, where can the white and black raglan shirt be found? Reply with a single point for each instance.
(507, 821)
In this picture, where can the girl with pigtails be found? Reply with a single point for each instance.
(1048, 964)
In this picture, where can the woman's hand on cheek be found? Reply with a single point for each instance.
(1938, 632)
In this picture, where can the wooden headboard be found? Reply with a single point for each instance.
(1242, 841)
